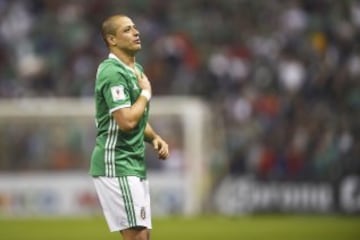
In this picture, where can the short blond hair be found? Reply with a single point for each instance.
(108, 27)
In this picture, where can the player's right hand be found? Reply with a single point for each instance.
(144, 82)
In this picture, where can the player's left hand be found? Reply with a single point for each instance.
(161, 147)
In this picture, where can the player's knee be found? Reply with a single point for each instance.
(143, 234)
(141, 238)
(136, 233)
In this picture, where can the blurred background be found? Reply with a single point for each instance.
(259, 101)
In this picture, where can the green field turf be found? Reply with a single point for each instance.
(176, 228)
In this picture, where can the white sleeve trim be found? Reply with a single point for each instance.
(119, 107)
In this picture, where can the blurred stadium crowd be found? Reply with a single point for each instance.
(283, 77)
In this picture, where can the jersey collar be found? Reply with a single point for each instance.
(113, 56)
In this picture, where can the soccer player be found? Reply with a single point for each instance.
(122, 96)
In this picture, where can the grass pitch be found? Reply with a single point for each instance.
(269, 227)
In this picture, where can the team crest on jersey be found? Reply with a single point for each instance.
(117, 93)
(143, 213)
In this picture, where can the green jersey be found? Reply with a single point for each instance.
(117, 153)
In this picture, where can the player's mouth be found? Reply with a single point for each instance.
(137, 41)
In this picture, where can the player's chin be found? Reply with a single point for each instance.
(137, 47)
(134, 49)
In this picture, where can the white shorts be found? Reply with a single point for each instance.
(125, 201)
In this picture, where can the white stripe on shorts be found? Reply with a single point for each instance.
(128, 201)
(125, 201)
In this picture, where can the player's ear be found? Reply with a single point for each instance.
(111, 39)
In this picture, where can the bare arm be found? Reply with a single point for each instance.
(158, 143)
(128, 118)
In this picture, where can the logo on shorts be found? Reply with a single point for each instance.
(143, 213)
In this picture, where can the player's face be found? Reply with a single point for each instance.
(127, 37)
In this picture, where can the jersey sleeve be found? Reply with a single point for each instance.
(115, 89)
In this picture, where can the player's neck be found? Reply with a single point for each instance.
(128, 59)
